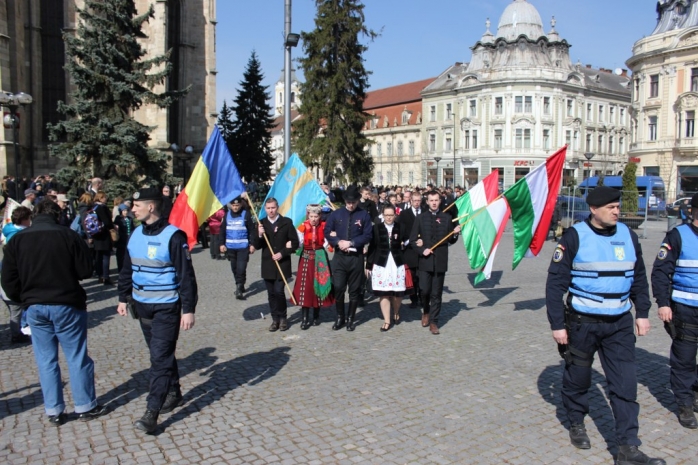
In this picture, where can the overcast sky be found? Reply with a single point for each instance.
(420, 38)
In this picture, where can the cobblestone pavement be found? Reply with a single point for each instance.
(484, 391)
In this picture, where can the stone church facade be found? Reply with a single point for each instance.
(32, 57)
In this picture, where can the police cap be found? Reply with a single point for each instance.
(148, 193)
(236, 201)
(602, 195)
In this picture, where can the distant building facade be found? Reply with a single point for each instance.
(32, 57)
(518, 101)
(665, 98)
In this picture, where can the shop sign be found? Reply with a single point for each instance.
(524, 163)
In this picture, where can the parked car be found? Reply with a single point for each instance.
(672, 209)
(573, 210)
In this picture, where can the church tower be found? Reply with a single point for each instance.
(279, 94)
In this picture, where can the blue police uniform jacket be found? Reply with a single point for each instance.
(235, 231)
(154, 277)
(685, 281)
(603, 271)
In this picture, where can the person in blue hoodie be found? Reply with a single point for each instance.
(21, 218)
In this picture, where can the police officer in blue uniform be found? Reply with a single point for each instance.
(348, 230)
(159, 277)
(599, 264)
(236, 230)
(675, 287)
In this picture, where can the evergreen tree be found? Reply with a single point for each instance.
(225, 123)
(250, 141)
(329, 133)
(629, 198)
(99, 136)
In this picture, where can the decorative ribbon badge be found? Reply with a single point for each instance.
(358, 223)
(438, 220)
(276, 229)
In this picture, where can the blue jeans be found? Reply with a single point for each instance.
(52, 325)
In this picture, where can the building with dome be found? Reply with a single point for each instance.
(665, 98)
(516, 102)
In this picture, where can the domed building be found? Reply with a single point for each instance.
(516, 102)
(665, 98)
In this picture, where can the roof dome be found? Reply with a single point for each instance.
(520, 17)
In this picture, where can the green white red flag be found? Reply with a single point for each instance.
(532, 201)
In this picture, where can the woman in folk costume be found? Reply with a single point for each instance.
(313, 288)
(385, 265)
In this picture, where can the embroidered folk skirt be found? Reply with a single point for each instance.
(312, 272)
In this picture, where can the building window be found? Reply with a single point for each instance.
(622, 116)
(518, 104)
(599, 145)
(447, 148)
(390, 177)
(654, 85)
(589, 114)
(411, 177)
(690, 123)
(390, 149)
(432, 142)
(473, 108)
(601, 114)
(570, 107)
(399, 177)
(576, 140)
(523, 138)
(498, 105)
(611, 114)
(651, 170)
(399, 149)
(610, 145)
(546, 139)
(467, 139)
(652, 128)
(621, 145)
(474, 138)
(379, 149)
(528, 104)
(694, 79)
(405, 118)
(568, 138)
(497, 139)
(587, 144)
(637, 89)
(432, 113)
(410, 148)
(448, 111)
(546, 105)
(520, 173)
(500, 175)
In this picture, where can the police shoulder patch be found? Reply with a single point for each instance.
(663, 252)
(557, 255)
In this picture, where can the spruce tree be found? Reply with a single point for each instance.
(329, 133)
(99, 136)
(225, 123)
(250, 141)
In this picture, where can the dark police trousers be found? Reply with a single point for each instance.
(160, 326)
(238, 263)
(615, 343)
(683, 357)
(277, 298)
(347, 270)
(431, 287)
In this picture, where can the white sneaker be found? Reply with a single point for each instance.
(27, 331)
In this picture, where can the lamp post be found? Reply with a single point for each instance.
(437, 160)
(453, 181)
(290, 40)
(13, 102)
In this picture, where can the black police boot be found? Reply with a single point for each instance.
(579, 437)
(148, 422)
(339, 324)
(238, 294)
(351, 315)
(274, 326)
(631, 455)
(305, 321)
(686, 417)
(316, 316)
(695, 401)
(172, 401)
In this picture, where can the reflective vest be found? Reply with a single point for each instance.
(602, 271)
(685, 282)
(235, 231)
(154, 277)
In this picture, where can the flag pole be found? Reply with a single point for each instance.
(466, 221)
(254, 212)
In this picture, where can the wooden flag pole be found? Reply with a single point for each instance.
(254, 212)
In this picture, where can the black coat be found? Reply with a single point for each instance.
(279, 233)
(431, 229)
(381, 246)
(102, 241)
(409, 255)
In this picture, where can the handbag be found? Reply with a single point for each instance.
(114, 235)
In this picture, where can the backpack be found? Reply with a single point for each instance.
(76, 226)
(92, 224)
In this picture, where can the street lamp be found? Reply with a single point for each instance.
(13, 102)
(437, 160)
(453, 181)
(290, 40)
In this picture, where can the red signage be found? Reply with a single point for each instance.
(524, 162)
(634, 159)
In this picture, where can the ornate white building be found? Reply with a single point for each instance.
(516, 102)
(665, 98)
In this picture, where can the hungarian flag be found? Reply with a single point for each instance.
(214, 182)
(532, 201)
(483, 217)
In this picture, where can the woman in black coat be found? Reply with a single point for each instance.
(385, 265)
(102, 240)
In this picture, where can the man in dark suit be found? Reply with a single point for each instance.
(283, 239)
(410, 255)
(429, 228)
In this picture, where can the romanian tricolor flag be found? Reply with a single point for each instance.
(214, 182)
(294, 188)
